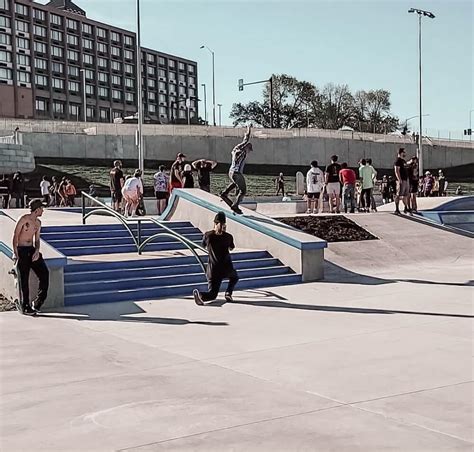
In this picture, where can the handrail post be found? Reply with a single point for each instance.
(83, 208)
(139, 228)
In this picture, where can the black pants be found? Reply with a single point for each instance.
(25, 264)
(238, 181)
(19, 200)
(214, 284)
(281, 188)
(365, 198)
(5, 201)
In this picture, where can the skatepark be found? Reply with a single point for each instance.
(351, 345)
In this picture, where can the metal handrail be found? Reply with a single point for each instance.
(105, 209)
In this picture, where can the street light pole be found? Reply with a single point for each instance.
(470, 124)
(220, 117)
(205, 103)
(213, 85)
(429, 14)
(84, 101)
(141, 157)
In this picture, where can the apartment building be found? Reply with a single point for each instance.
(54, 61)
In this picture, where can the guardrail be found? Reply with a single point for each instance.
(140, 244)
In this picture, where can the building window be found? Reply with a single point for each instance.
(72, 24)
(4, 22)
(182, 78)
(114, 36)
(151, 96)
(73, 71)
(56, 51)
(128, 40)
(73, 40)
(128, 68)
(89, 74)
(21, 26)
(151, 58)
(172, 63)
(41, 80)
(191, 92)
(152, 108)
(103, 92)
(129, 97)
(73, 86)
(162, 86)
(115, 51)
(5, 57)
(128, 54)
(129, 82)
(86, 28)
(190, 68)
(5, 74)
(22, 60)
(5, 39)
(55, 19)
(116, 94)
(90, 89)
(21, 9)
(87, 43)
(41, 104)
(88, 59)
(90, 113)
(57, 83)
(58, 107)
(116, 80)
(74, 110)
(162, 98)
(161, 61)
(101, 47)
(191, 80)
(163, 111)
(72, 55)
(57, 67)
(116, 66)
(162, 73)
(23, 77)
(38, 30)
(40, 47)
(4, 4)
(172, 76)
(38, 14)
(22, 43)
(151, 83)
(102, 62)
(182, 114)
(151, 70)
(101, 33)
(182, 91)
(181, 66)
(56, 35)
(103, 77)
(104, 114)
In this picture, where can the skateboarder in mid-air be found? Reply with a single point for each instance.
(218, 242)
(27, 256)
(236, 172)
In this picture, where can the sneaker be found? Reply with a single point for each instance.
(28, 310)
(406, 210)
(197, 298)
(36, 307)
(237, 210)
(397, 212)
(308, 211)
(228, 297)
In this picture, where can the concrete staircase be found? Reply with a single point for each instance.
(142, 279)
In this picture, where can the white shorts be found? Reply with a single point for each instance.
(333, 188)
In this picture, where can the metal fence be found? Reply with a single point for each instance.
(210, 131)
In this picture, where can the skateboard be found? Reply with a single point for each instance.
(230, 204)
(18, 300)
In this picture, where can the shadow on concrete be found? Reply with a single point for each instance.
(120, 312)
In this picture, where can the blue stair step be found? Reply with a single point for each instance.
(113, 226)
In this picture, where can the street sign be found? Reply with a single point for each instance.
(241, 84)
(467, 131)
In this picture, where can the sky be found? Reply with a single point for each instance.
(364, 44)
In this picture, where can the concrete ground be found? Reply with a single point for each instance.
(377, 357)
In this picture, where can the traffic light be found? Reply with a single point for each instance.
(467, 131)
(241, 84)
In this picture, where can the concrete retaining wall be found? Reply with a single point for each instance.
(267, 151)
(16, 157)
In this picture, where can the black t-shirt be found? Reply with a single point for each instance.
(116, 175)
(218, 245)
(188, 180)
(4, 187)
(403, 169)
(413, 173)
(178, 167)
(333, 171)
(204, 173)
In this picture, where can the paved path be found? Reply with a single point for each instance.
(361, 362)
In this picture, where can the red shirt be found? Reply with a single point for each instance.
(348, 176)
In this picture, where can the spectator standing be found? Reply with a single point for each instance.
(18, 190)
(333, 186)
(117, 181)
(366, 175)
(45, 187)
(54, 190)
(5, 191)
(414, 179)
(429, 184)
(161, 186)
(280, 185)
(188, 179)
(348, 178)
(176, 175)
(132, 192)
(385, 189)
(443, 183)
(392, 183)
(71, 192)
(314, 187)
(373, 204)
(62, 192)
(403, 186)
(204, 169)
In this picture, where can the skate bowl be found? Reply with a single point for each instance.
(253, 230)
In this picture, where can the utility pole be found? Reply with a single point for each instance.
(141, 156)
(270, 80)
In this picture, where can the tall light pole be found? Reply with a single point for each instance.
(213, 85)
(84, 101)
(205, 103)
(141, 156)
(429, 14)
(220, 107)
(470, 125)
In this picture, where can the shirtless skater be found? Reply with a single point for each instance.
(218, 242)
(27, 256)
(236, 172)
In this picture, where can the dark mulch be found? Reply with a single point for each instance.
(6, 305)
(329, 228)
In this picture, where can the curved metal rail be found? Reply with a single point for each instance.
(105, 209)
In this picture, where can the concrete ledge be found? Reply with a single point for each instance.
(302, 252)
